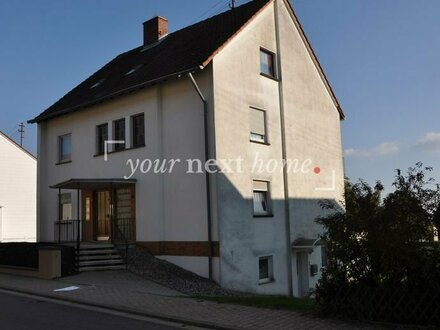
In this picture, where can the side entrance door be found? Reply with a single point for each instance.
(302, 266)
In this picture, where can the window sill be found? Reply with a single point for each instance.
(64, 162)
(269, 215)
(269, 76)
(120, 150)
(260, 142)
(266, 281)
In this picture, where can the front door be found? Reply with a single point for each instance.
(302, 266)
(103, 215)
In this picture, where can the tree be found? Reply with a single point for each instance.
(385, 243)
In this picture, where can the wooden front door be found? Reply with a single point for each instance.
(102, 215)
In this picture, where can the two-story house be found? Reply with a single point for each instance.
(18, 192)
(244, 91)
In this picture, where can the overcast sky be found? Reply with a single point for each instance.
(381, 57)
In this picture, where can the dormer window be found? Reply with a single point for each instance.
(98, 83)
(133, 70)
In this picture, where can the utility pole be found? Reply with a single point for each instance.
(232, 4)
(21, 131)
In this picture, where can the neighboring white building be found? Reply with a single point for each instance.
(18, 192)
(253, 73)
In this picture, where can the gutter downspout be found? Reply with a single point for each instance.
(284, 155)
(207, 180)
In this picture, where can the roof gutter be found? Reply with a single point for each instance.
(207, 174)
(113, 95)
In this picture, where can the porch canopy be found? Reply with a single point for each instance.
(306, 243)
(93, 183)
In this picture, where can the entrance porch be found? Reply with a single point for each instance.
(106, 210)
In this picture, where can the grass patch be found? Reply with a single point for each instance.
(307, 305)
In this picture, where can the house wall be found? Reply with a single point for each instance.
(312, 138)
(170, 207)
(18, 182)
(313, 132)
(239, 85)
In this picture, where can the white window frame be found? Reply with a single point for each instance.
(63, 209)
(255, 137)
(62, 159)
(270, 276)
(268, 212)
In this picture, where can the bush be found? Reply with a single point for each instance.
(381, 252)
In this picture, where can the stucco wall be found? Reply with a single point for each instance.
(312, 132)
(239, 85)
(169, 207)
(18, 182)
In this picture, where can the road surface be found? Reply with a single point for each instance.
(19, 312)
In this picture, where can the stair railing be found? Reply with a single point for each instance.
(118, 236)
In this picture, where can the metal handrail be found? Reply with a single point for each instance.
(124, 238)
(67, 230)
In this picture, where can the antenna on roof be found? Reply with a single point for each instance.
(21, 131)
(232, 4)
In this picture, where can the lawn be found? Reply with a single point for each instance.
(275, 302)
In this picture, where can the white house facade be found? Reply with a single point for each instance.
(18, 192)
(243, 90)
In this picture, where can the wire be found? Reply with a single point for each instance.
(205, 14)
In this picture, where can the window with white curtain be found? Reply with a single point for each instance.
(66, 206)
(261, 195)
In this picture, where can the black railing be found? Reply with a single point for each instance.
(127, 228)
(67, 231)
(123, 234)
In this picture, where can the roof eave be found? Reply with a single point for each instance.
(315, 60)
(107, 97)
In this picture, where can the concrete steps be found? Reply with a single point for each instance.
(99, 256)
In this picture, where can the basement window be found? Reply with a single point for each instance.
(265, 269)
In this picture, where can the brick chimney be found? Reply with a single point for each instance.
(154, 30)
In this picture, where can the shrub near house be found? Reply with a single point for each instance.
(383, 262)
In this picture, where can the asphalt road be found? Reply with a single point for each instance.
(25, 313)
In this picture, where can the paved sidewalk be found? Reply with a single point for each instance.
(123, 291)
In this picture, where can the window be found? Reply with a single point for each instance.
(88, 211)
(66, 206)
(261, 198)
(119, 133)
(65, 148)
(101, 137)
(323, 256)
(258, 125)
(265, 269)
(267, 63)
(138, 131)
